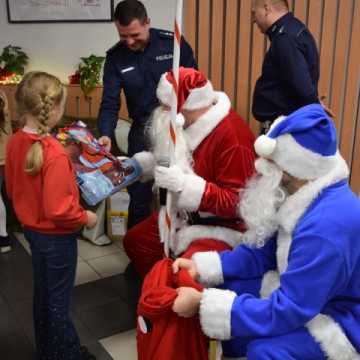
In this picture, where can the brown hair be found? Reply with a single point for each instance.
(128, 10)
(37, 94)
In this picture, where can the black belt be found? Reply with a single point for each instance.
(194, 218)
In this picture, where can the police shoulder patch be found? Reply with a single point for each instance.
(166, 34)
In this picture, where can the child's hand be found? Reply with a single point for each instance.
(92, 219)
(105, 141)
(187, 264)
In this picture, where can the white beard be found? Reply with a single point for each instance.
(158, 132)
(260, 201)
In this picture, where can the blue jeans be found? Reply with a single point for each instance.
(54, 259)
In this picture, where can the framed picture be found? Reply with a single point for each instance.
(46, 11)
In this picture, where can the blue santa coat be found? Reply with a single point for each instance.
(318, 257)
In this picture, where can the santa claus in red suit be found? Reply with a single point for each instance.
(214, 157)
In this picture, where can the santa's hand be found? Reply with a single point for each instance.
(187, 264)
(187, 302)
(171, 178)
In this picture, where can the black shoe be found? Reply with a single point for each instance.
(5, 244)
(85, 354)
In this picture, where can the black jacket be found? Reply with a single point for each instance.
(290, 72)
(137, 73)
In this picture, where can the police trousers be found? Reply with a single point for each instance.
(140, 193)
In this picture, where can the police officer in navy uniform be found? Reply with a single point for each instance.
(135, 65)
(290, 72)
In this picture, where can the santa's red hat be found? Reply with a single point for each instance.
(195, 90)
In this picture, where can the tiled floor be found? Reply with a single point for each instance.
(104, 302)
(121, 346)
(94, 262)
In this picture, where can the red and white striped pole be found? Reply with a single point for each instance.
(170, 231)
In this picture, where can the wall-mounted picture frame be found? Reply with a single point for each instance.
(48, 11)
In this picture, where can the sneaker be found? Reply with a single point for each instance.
(102, 240)
(5, 244)
(85, 354)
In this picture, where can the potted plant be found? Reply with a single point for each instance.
(12, 64)
(89, 72)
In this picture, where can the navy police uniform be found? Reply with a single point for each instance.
(137, 73)
(290, 72)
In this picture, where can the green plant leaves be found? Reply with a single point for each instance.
(90, 70)
(13, 59)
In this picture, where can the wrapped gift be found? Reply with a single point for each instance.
(99, 173)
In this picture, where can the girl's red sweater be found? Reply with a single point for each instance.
(49, 201)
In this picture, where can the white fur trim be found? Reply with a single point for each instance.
(296, 205)
(277, 121)
(215, 313)
(207, 122)
(200, 97)
(299, 161)
(270, 282)
(180, 120)
(146, 161)
(186, 235)
(332, 338)
(284, 240)
(164, 91)
(264, 146)
(192, 192)
(209, 268)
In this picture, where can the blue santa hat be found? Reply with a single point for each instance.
(303, 144)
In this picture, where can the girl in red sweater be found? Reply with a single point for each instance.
(41, 183)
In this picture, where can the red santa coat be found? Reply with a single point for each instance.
(161, 334)
(221, 144)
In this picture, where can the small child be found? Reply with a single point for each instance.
(41, 183)
(5, 132)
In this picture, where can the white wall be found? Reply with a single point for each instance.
(57, 48)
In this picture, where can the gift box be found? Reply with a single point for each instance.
(99, 173)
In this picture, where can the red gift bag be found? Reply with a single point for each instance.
(161, 334)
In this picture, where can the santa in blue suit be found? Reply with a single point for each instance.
(292, 289)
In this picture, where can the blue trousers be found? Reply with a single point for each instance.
(140, 206)
(297, 345)
(54, 259)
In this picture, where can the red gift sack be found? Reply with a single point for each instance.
(161, 334)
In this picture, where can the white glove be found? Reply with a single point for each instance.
(171, 178)
(146, 161)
